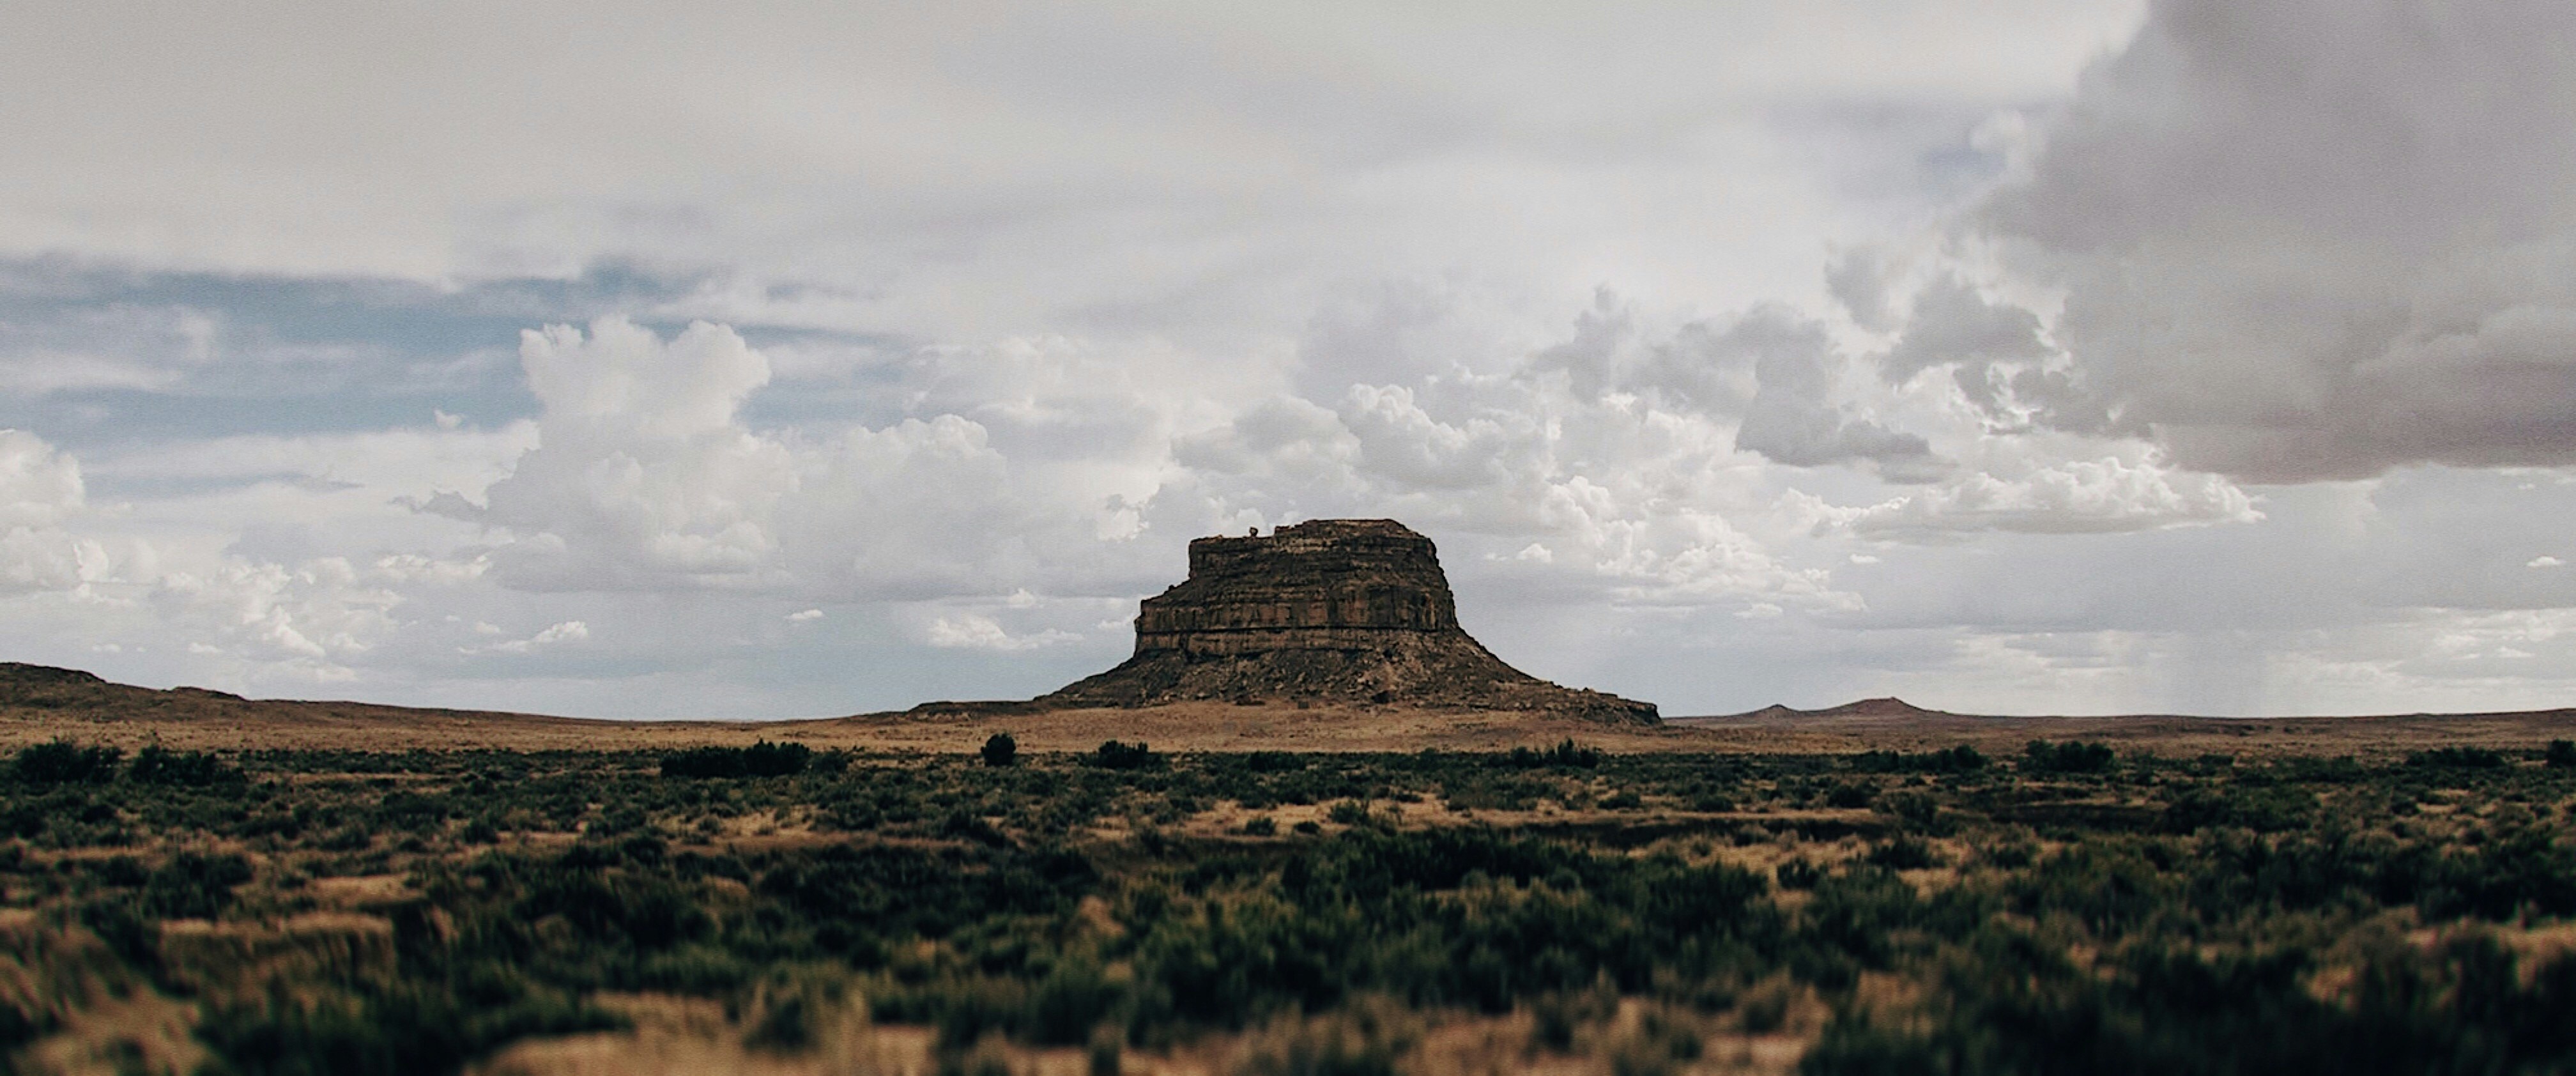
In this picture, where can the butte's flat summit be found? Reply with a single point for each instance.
(1335, 611)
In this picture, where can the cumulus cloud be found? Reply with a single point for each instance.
(1859, 280)
(646, 477)
(1996, 356)
(562, 632)
(2317, 239)
(308, 617)
(975, 631)
(38, 485)
(1792, 417)
(316, 617)
(1604, 462)
(623, 379)
(1400, 440)
(2079, 496)
(41, 488)
(640, 473)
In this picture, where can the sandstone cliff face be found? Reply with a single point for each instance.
(1328, 585)
(1336, 611)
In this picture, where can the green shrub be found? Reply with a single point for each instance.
(194, 886)
(1918, 810)
(64, 762)
(157, 765)
(1001, 750)
(1114, 755)
(2457, 758)
(1565, 755)
(1905, 852)
(761, 759)
(1959, 759)
(2074, 756)
(766, 759)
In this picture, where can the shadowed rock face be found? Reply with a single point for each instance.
(1336, 610)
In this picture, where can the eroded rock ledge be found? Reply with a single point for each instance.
(1334, 610)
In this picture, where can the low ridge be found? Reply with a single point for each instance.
(1888, 706)
(1334, 611)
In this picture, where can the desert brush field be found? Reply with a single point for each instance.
(195, 883)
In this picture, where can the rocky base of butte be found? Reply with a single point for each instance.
(1337, 611)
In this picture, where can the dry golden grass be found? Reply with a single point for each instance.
(192, 720)
(106, 1019)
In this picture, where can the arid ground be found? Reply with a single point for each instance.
(192, 882)
(35, 708)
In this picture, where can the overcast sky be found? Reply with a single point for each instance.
(752, 360)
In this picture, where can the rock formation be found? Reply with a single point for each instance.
(1335, 611)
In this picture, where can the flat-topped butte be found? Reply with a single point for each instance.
(1330, 611)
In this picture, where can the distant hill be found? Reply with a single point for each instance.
(39, 702)
(44, 687)
(1890, 706)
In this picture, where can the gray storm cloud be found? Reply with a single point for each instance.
(2319, 238)
(1792, 419)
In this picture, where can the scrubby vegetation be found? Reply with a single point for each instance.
(2071, 909)
(763, 759)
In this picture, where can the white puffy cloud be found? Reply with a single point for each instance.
(40, 489)
(316, 617)
(1402, 442)
(560, 632)
(2075, 496)
(2318, 239)
(211, 573)
(639, 473)
(975, 631)
(646, 477)
(623, 381)
(1602, 464)
(38, 485)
